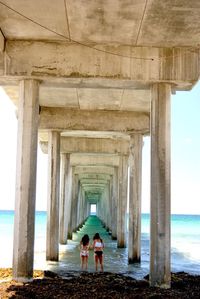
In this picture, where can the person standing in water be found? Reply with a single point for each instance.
(84, 251)
(98, 246)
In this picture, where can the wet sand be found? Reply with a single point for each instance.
(48, 284)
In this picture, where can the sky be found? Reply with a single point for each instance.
(185, 156)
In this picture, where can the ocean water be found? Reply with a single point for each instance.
(185, 247)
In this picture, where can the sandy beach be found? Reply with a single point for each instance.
(47, 284)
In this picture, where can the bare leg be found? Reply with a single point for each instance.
(82, 262)
(96, 262)
(101, 262)
(86, 262)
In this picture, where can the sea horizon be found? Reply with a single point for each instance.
(148, 213)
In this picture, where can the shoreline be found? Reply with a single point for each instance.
(78, 284)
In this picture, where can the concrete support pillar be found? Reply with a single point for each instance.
(122, 202)
(111, 202)
(115, 195)
(70, 196)
(88, 209)
(64, 190)
(75, 188)
(160, 186)
(109, 196)
(52, 248)
(85, 208)
(28, 112)
(78, 220)
(101, 208)
(98, 207)
(135, 175)
(106, 208)
(82, 205)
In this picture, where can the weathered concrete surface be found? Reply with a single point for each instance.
(160, 272)
(115, 194)
(94, 160)
(144, 64)
(24, 222)
(122, 201)
(94, 170)
(90, 145)
(68, 119)
(64, 198)
(93, 176)
(149, 23)
(52, 241)
(95, 134)
(86, 181)
(75, 190)
(2, 42)
(135, 200)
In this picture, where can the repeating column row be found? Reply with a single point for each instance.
(115, 192)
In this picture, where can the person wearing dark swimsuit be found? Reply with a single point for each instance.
(98, 246)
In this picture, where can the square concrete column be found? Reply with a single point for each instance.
(115, 194)
(122, 202)
(74, 204)
(135, 167)
(69, 232)
(64, 190)
(23, 247)
(111, 203)
(107, 208)
(78, 221)
(160, 273)
(85, 208)
(83, 205)
(52, 248)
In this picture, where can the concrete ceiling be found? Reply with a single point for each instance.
(126, 22)
(89, 98)
(102, 23)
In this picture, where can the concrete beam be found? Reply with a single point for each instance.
(86, 181)
(96, 170)
(94, 188)
(90, 145)
(67, 60)
(98, 120)
(93, 185)
(94, 176)
(87, 160)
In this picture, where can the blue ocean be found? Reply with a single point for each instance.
(185, 247)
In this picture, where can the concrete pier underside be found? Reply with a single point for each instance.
(93, 76)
